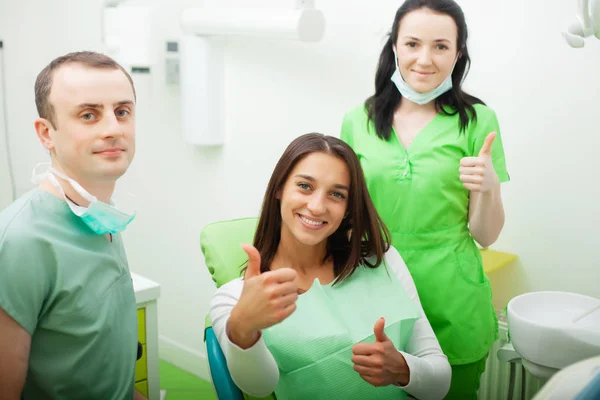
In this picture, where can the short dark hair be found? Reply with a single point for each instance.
(43, 83)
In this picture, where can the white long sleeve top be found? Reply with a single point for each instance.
(255, 371)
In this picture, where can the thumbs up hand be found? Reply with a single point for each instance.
(267, 299)
(253, 268)
(477, 173)
(379, 363)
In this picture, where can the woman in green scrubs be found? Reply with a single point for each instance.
(433, 159)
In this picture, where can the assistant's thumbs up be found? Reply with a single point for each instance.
(253, 268)
(486, 149)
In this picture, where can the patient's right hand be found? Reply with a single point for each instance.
(266, 300)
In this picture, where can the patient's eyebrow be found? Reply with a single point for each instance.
(307, 177)
(340, 186)
(311, 179)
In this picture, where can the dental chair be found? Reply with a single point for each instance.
(220, 243)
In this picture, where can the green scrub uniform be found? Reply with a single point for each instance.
(72, 291)
(419, 195)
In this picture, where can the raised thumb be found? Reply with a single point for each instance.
(253, 268)
(486, 149)
(380, 335)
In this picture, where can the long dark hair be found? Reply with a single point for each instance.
(369, 238)
(382, 105)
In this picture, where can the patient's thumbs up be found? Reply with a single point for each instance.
(380, 335)
(253, 268)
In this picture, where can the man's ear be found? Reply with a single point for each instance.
(44, 128)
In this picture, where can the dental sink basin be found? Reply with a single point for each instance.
(549, 333)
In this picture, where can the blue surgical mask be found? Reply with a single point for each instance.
(102, 218)
(411, 94)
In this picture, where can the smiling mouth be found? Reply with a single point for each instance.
(311, 222)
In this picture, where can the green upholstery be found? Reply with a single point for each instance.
(220, 243)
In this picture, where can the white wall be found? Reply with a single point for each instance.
(6, 190)
(542, 90)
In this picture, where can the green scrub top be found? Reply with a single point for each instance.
(72, 291)
(419, 195)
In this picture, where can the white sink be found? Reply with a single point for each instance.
(543, 332)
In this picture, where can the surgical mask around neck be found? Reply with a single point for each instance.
(100, 217)
(420, 98)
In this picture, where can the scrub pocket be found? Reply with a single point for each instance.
(470, 268)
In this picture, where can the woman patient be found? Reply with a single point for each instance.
(327, 308)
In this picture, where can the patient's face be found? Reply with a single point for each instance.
(314, 198)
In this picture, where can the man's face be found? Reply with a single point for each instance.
(94, 115)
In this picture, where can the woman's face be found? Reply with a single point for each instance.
(314, 198)
(426, 48)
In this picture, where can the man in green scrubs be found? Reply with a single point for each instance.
(68, 326)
